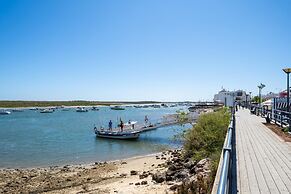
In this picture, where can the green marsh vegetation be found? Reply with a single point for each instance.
(206, 138)
(14, 104)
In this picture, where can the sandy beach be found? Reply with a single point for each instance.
(131, 175)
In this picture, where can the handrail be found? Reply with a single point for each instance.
(223, 186)
(278, 116)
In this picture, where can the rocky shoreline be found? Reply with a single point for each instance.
(166, 172)
(184, 174)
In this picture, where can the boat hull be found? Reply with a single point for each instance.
(117, 109)
(117, 135)
(47, 111)
(5, 113)
(82, 110)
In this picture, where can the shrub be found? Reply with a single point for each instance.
(206, 138)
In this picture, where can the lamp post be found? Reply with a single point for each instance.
(261, 86)
(246, 102)
(250, 103)
(288, 71)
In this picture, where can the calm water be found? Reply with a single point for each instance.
(30, 139)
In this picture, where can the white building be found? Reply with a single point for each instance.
(228, 97)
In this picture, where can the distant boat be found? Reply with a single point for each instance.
(47, 111)
(33, 108)
(117, 108)
(117, 134)
(5, 112)
(156, 106)
(81, 109)
(17, 110)
(95, 108)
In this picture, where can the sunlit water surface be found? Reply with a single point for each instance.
(32, 139)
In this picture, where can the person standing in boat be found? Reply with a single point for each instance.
(110, 125)
(121, 125)
(146, 120)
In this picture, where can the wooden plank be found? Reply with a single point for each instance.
(269, 180)
(252, 179)
(264, 160)
(242, 181)
(275, 156)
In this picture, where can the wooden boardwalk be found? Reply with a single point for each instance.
(263, 158)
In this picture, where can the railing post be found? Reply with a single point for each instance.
(281, 120)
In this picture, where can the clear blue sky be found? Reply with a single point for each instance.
(141, 50)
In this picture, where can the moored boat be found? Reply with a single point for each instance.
(5, 112)
(117, 108)
(17, 110)
(116, 134)
(47, 111)
(81, 109)
(95, 108)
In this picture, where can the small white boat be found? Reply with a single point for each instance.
(116, 134)
(47, 111)
(95, 108)
(5, 112)
(81, 109)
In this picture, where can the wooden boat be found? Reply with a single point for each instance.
(117, 108)
(116, 134)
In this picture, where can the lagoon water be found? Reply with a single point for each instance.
(32, 139)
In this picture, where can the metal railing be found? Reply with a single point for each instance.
(279, 117)
(225, 175)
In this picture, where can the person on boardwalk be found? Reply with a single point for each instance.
(110, 125)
